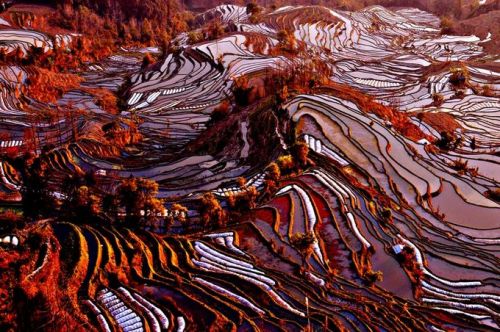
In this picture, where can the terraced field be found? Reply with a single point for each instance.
(402, 230)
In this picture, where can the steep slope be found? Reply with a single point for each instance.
(376, 214)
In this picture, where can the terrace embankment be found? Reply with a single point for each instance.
(131, 280)
(350, 157)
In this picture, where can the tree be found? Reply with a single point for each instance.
(110, 205)
(241, 181)
(241, 91)
(300, 153)
(387, 214)
(177, 212)
(447, 25)
(37, 198)
(138, 197)
(245, 200)
(253, 9)
(194, 37)
(303, 242)
(487, 91)
(285, 163)
(221, 111)
(146, 31)
(494, 194)
(459, 76)
(147, 60)
(82, 201)
(437, 99)
(273, 172)
(84, 204)
(211, 211)
(447, 141)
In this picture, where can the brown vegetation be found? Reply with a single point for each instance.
(211, 211)
(244, 201)
(462, 167)
(494, 194)
(138, 197)
(440, 121)
(105, 99)
(47, 86)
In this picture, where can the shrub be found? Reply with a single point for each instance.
(273, 172)
(459, 77)
(447, 25)
(194, 37)
(147, 60)
(303, 242)
(494, 194)
(221, 111)
(241, 91)
(211, 211)
(372, 277)
(437, 99)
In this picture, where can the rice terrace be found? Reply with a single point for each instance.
(202, 165)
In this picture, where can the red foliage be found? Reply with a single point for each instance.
(440, 121)
(47, 86)
(105, 99)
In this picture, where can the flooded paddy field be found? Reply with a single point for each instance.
(402, 228)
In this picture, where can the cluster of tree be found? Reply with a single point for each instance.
(177, 212)
(113, 31)
(80, 197)
(121, 133)
(211, 211)
(462, 167)
(58, 58)
(210, 31)
(138, 196)
(38, 200)
(163, 11)
(302, 77)
(214, 30)
(245, 200)
(105, 99)
(285, 165)
(297, 160)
